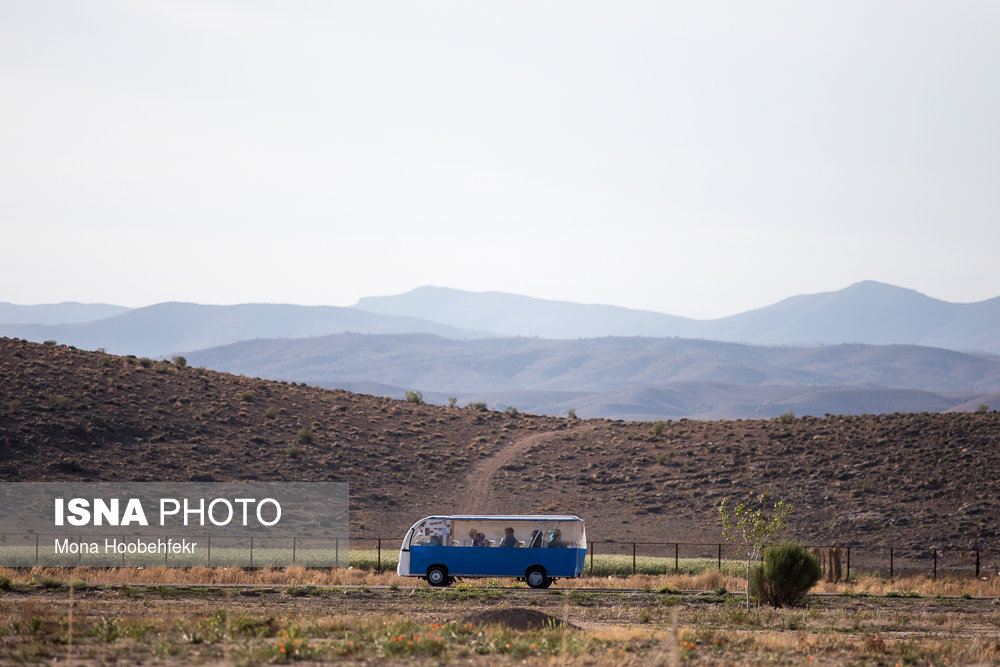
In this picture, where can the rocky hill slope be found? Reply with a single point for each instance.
(921, 479)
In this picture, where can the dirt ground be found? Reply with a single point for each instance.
(214, 625)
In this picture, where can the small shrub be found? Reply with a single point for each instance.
(658, 427)
(414, 397)
(476, 406)
(248, 396)
(146, 362)
(49, 342)
(59, 402)
(511, 410)
(452, 401)
(5, 584)
(71, 465)
(272, 413)
(305, 436)
(787, 417)
(293, 452)
(982, 407)
(785, 576)
(180, 361)
(571, 413)
(14, 406)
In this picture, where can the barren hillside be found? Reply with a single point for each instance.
(67, 414)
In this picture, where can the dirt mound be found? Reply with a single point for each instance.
(517, 618)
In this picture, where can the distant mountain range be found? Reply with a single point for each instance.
(167, 328)
(870, 347)
(866, 312)
(67, 312)
(628, 378)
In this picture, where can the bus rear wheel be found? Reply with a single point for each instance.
(437, 575)
(536, 577)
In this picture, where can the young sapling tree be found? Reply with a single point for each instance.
(751, 529)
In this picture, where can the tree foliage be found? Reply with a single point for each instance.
(785, 576)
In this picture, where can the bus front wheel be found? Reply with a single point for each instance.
(536, 577)
(437, 575)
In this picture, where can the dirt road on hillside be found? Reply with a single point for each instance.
(479, 495)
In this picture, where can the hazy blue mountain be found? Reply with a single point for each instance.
(618, 377)
(167, 328)
(513, 315)
(67, 312)
(866, 312)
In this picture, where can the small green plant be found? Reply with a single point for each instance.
(14, 406)
(415, 397)
(271, 413)
(571, 413)
(48, 582)
(59, 402)
(146, 362)
(306, 437)
(180, 361)
(49, 342)
(785, 576)
(452, 401)
(786, 417)
(293, 451)
(658, 427)
(477, 406)
(71, 464)
(511, 410)
(982, 407)
(248, 396)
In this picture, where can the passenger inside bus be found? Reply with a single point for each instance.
(508, 538)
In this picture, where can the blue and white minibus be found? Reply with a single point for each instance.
(537, 549)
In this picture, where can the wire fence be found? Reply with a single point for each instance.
(839, 563)
(604, 558)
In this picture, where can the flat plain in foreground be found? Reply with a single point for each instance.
(384, 620)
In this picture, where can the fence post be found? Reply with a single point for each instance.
(935, 565)
(847, 573)
(720, 558)
(293, 550)
(677, 563)
(633, 558)
(378, 564)
(591, 558)
(336, 547)
(890, 564)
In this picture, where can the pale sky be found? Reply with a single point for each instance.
(697, 158)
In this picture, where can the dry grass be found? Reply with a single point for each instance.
(707, 581)
(179, 626)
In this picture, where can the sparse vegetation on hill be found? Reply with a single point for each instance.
(916, 479)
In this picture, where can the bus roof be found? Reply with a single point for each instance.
(506, 517)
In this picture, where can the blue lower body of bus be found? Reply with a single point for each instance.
(497, 561)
